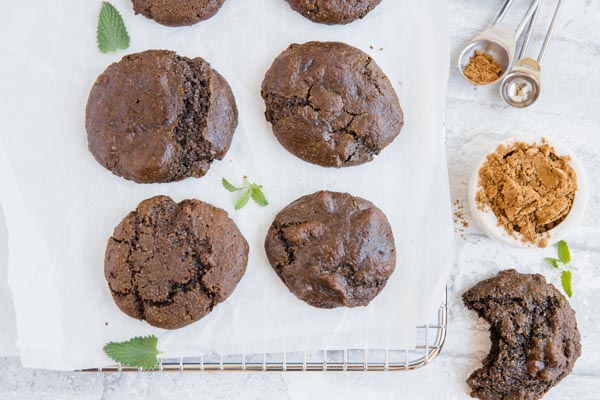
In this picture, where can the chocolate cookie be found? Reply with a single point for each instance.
(177, 12)
(535, 341)
(332, 249)
(330, 104)
(159, 117)
(333, 12)
(170, 264)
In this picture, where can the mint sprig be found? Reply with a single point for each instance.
(139, 352)
(111, 33)
(250, 191)
(563, 264)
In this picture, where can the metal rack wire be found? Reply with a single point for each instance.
(430, 340)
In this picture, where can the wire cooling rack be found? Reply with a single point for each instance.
(430, 340)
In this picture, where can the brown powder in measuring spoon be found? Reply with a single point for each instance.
(482, 69)
(529, 188)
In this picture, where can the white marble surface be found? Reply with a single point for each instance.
(569, 110)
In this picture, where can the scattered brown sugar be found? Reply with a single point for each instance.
(459, 214)
(459, 218)
(529, 188)
(482, 68)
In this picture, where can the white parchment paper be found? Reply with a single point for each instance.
(61, 206)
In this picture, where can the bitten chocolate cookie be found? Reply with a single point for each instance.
(170, 264)
(332, 249)
(177, 12)
(333, 12)
(330, 104)
(159, 117)
(535, 341)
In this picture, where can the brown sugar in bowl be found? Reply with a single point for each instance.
(501, 222)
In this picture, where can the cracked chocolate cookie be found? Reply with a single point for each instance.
(177, 12)
(332, 249)
(333, 12)
(330, 104)
(171, 263)
(159, 117)
(535, 341)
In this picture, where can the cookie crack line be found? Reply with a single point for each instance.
(174, 287)
(194, 282)
(287, 247)
(199, 271)
(309, 103)
(369, 75)
(133, 245)
(349, 271)
(359, 140)
(278, 104)
(281, 103)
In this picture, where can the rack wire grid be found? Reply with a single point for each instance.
(430, 341)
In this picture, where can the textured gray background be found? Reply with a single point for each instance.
(476, 119)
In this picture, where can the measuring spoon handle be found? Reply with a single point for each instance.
(503, 12)
(529, 33)
(534, 6)
(550, 30)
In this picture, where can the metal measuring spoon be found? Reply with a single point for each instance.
(521, 87)
(499, 41)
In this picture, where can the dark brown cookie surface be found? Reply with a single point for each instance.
(177, 12)
(158, 117)
(332, 249)
(330, 104)
(333, 11)
(171, 263)
(535, 341)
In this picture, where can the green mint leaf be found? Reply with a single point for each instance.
(564, 254)
(251, 191)
(111, 34)
(243, 200)
(259, 197)
(565, 278)
(227, 185)
(139, 352)
(552, 261)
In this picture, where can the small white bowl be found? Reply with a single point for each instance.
(487, 221)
